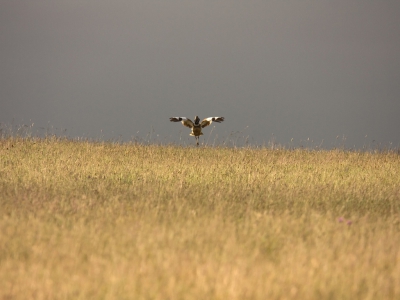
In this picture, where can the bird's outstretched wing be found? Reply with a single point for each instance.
(208, 121)
(185, 121)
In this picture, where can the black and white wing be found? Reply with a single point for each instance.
(185, 121)
(208, 121)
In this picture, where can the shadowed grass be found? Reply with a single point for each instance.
(82, 220)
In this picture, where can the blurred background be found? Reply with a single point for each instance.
(296, 73)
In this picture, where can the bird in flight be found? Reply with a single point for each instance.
(196, 126)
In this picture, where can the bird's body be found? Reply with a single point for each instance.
(196, 126)
(196, 131)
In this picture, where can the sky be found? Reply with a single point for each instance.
(296, 73)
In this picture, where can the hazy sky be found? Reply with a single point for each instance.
(286, 69)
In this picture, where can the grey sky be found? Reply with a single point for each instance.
(292, 69)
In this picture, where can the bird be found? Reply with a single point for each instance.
(196, 126)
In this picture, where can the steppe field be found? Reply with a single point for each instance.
(104, 220)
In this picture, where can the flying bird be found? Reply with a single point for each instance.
(196, 126)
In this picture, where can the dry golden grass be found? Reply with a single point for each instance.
(81, 220)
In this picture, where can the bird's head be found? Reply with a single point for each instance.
(196, 120)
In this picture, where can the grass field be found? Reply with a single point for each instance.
(87, 220)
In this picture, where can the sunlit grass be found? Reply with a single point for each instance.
(86, 220)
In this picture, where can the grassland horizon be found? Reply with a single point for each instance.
(103, 220)
(235, 139)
